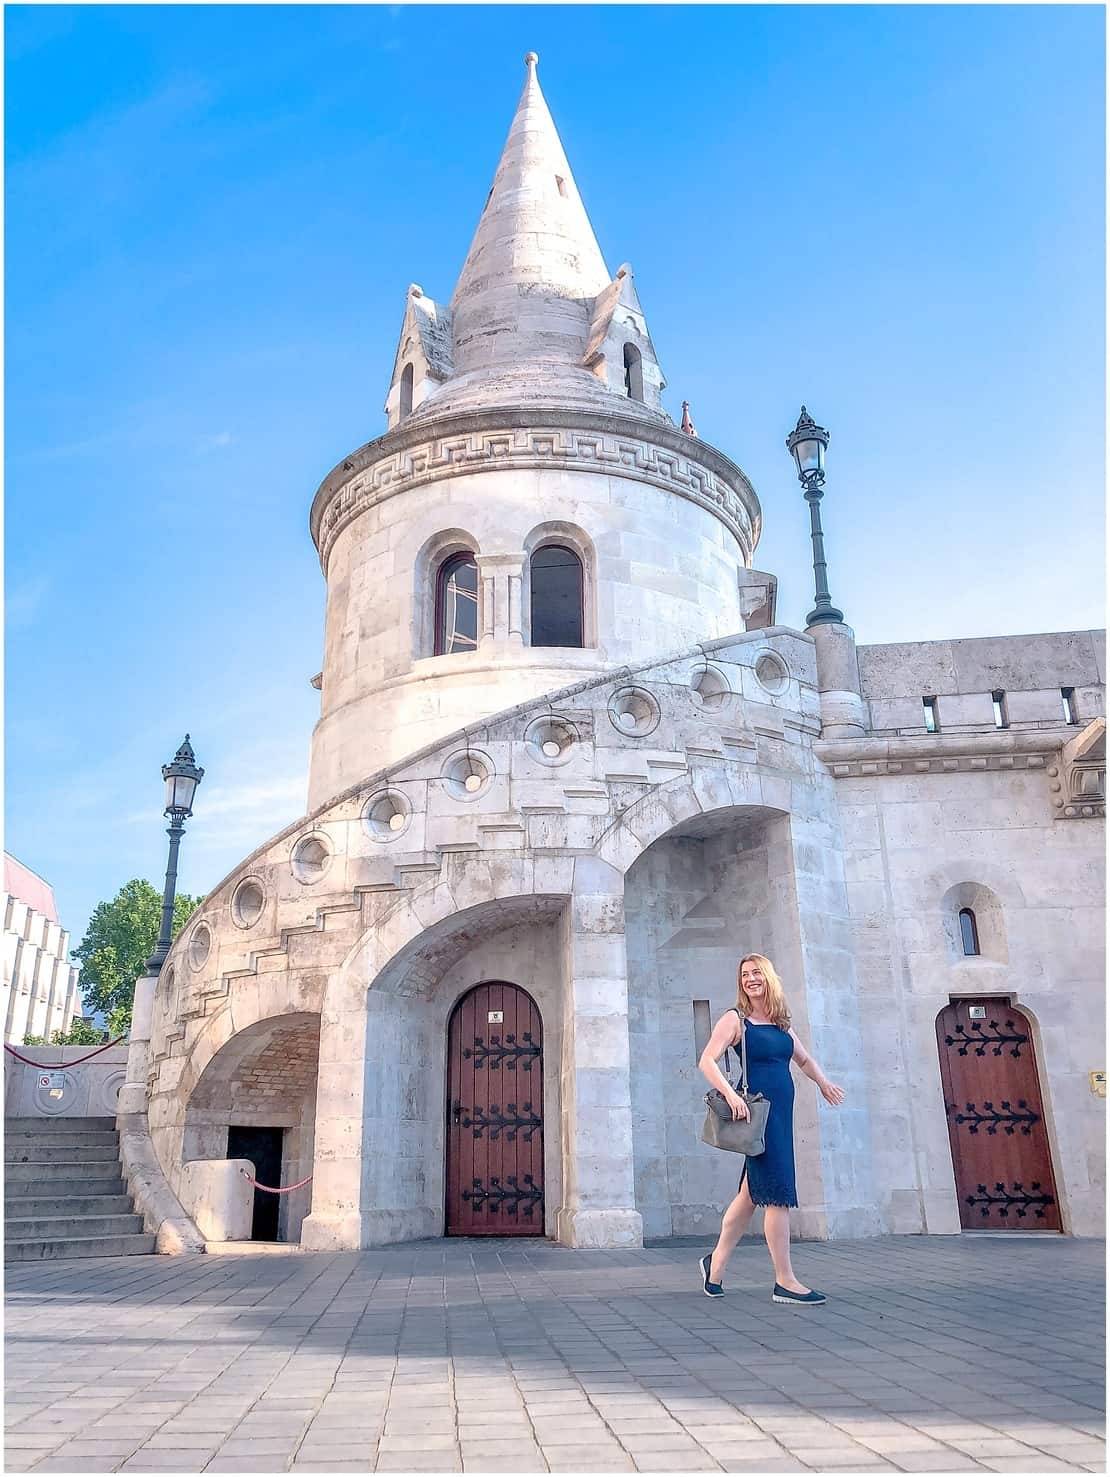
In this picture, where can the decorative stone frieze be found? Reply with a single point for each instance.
(958, 764)
(603, 444)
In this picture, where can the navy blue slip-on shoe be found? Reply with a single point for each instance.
(798, 1299)
(711, 1289)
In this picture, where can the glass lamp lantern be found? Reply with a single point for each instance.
(807, 443)
(182, 778)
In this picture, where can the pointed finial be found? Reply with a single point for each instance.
(687, 423)
(532, 59)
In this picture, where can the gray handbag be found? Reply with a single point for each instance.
(721, 1129)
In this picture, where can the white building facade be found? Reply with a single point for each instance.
(39, 983)
(567, 771)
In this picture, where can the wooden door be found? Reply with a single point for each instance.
(495, 1114)
(992, 1097)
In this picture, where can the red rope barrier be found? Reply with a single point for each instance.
(56, 1066)
(273, 1189)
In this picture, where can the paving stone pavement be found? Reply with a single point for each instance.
(934, 1354)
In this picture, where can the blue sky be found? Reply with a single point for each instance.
(213, 213)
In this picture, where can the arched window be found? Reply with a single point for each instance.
(406, 391)
(457, 605)
(556, 578)
(969, 933)
(633, 373)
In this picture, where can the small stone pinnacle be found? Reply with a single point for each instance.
(531, 59)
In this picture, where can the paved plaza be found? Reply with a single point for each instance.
(933, 1354)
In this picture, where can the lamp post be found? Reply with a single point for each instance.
(182, 777)
(807, 443)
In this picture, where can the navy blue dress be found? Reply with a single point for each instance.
(771, 1174)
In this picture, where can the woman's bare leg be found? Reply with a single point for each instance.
(776, 1232)
(737, 1218)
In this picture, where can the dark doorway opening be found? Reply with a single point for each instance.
(262, 1146)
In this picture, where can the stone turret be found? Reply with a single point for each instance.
(523, 415)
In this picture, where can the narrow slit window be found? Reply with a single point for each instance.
(703, 1027)
(633, 372)
(555, 575)
(457, 605)
(1001, 716)
(406, 391)
(1071, 712)
(931, 714)
(562, 185)
(969, 932)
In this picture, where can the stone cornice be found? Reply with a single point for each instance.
(423, 452)
(853, 758)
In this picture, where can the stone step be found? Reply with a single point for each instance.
(59, 1125)
(33, 1205)
(69, 1227)
(109, 1138)
(78, 1246)
(47, 1154)
(65, 1179)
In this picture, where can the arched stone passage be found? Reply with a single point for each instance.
(720, 864)
(380, 1129)
(264, 1077)
(714, 887)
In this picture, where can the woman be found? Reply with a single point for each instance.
(767, 1179)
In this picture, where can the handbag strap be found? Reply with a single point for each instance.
(743, 1084)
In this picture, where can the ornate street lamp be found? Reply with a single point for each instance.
(182, 778)
(807, 443)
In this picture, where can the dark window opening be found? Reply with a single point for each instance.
(703, 1027)
(1071, 711)
(1001, 717)
(556, 578)
(931, 713)
(457, 605)
(562, 184)
(969, 933)
(633, 372)
(406, 391)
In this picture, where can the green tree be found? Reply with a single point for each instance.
(80, 1033)
(119, 940)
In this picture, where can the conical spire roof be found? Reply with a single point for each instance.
(534, 266)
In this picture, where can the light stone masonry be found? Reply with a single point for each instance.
(601, 828)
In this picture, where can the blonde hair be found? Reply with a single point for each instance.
(777, 1007)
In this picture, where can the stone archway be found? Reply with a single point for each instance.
(710, 889)
(390, 998)
(380, 1130)
(716, 864)
(263, 1078)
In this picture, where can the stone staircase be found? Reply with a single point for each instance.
(64, 1194)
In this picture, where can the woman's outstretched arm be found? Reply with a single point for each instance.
(809, 1065)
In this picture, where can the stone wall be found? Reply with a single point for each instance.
(662, 569)
(1030, 670)
(90, 1090)
(919, 847)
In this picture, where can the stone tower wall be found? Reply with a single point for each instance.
(662, 537)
